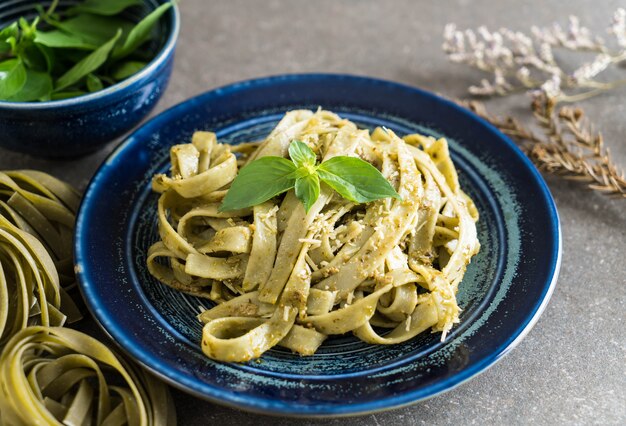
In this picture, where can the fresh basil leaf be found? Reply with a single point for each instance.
(28, 30)
(107, 8)
(355, 179)
(70, 57)
(13, 43)
(259, 181)
(301, 172)
(12, 30)
(308, 190)
(9, 32)
(61, 39)
(93, 29)
(301, 154)
(125, 69)
(66, 95)
(143, 55)
(33, 58)
(49, 56)
(94, 84)
(106, 80)
(38, 87)
(89, 64)
(12, 77)
(141, 32)
(24, 25)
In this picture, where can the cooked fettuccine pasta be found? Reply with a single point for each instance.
(278, 275)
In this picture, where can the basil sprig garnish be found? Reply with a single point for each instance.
(354, 179)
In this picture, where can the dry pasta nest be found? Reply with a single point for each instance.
(37, 215)
(49, 374)
(59, 376)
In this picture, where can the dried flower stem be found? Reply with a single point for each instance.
(600, 88)
(568, 146)
(521, 62)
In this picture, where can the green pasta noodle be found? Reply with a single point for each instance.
(48, 374)
(280, 274)
(37, 213)
(59, 376)
(45, 207)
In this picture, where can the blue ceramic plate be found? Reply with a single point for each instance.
(504, 291)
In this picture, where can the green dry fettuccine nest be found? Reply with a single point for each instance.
(37, 215)
(58, 376)
(49, 374)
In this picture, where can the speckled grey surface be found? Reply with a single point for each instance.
(571, 369)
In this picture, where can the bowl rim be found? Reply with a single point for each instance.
(161, 57)
(269, 406)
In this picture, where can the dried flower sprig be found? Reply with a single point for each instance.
(568, 147)
(521, 62)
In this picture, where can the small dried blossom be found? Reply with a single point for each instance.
(618, 27)
(551, 88)
(575, 37)
(518, 61)
(588, 71)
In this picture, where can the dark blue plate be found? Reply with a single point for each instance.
(506, 287)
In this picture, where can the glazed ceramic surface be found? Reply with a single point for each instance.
(504, 291)
(78, 126)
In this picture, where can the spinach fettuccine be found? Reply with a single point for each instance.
(59, 376)
(318, 258)
(37, 215)
(49, 374)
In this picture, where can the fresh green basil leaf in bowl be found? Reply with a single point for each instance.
(75, 75)
(73, 44)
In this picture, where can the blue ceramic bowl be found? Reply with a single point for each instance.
(78, 126)
(504, 291)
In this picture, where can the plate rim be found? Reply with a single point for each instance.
(277, 406)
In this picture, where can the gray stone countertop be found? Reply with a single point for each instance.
(571, 368)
